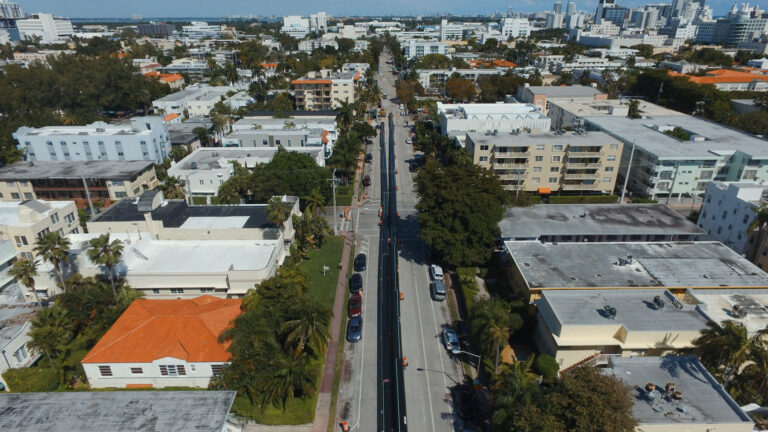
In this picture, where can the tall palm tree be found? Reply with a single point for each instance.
(314, 200)
(106, 253)
(278, 211)
(345, 116)
(24, 271)
(308, 333)
(293, 377)
(173, 188)
(54, 249)
(761, 101)
(760, 224)
(724, 348)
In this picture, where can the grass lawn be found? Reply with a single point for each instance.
(297, 412)
(323, 288)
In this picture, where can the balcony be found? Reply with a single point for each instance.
(593, 186)
(513, 177)
(585, 154)
(507, 166)
(581, 176)
(582, 165)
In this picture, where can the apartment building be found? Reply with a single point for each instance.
(591, 63)
(196, 99)
(451, 31)
(24, 221)
(547, 162)
(727, 211)
(46, 27)
(436, 78)
(144, 138)
(569, 112)
(731, 80)
(295, 26)
(457, 119)
(677, 155)
(539, 96)
(196, 69)
(68, 180)
(415, 48)
(515, 28)
(324, 90)
(201, 29)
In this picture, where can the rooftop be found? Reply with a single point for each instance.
(701, 264)
(635, 309)
(575, 91)
(27, 213)
(608, 107)
(749, 307)
(529, 139)
(116, 411)
(113, 170)
(704, 401)
(153, 329)
(13, 317)
(222, 157)
(265, 123)
(594, 219)
(708, 140)
(137, 126)
(489, 111)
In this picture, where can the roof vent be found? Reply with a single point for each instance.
(659, 303)
(610, 311)
(739, 311)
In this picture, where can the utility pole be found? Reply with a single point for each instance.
(674, 177)
(626, 176)
(335, 214)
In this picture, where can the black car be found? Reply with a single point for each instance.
(355, 283)
(355, 329)
(360, 261)
(367, 181)
(413, 167)
(369, 157)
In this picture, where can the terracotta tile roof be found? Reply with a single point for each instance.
(170, 117)
(311, 81)
(169, 78)
(324, 137)
(722, 76)
(268, 65)
(495, 63)
(153, 329)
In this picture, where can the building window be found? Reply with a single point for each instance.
(55, 218)
(27, 196)
(216, 369)
(536, 169)
(155, 291)
(536, 180)
(202, 182)
(557, 147)
(553, 179)
(105, 371)
(611, 158)
(483, 158)
(137, 370)
(606, 179)
(69, 218)
(177, 290)
(172, 370)
(206, 290)
(21, 354)
(539, 158)
(555, 158)
(554, 169)
(539, 146)
(484, 148)
(15, 196)
(20, 240)
(608, 169)
(11, 184)
(43, 232)
(614, 147)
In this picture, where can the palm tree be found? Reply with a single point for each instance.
(24, 271)
(278, 211)
(293, 377)
(308, 333)
(724, 348)
(173, 188)
(760, 223)
(491, 326)
(50, 332)
(54, 249)
(634, 109)
(106, 253)
(345, 116)
(69, 119)
(314, 201)
(761, 101)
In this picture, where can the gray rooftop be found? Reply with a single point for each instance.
(211, 158)
(714, 139)
(635, 309)
(528, 139)
(116, 411)
(704, 401)
(665, 264)
(113, 170)
(594, 219)
(13, 316)
(565, 91)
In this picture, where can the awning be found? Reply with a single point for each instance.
(543, 190)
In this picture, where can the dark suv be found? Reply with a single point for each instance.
(355, 283)
(360, 261)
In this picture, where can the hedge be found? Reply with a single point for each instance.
(468, 284)
(31, 379)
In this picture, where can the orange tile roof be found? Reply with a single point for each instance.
(324, 136)
(268, 65)
(311, 81)
(153, 329)
(722, 76)
(170, 117)
(138, 386)
(495, 63)
(151, 74)
(169, 78)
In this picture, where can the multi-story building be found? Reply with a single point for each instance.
(590, 63)
(727, 212)
(163, 343)
(309, 45)
(220, 56)
(569, 112)
(48, 28)
(200, 29)
(547, 162)
(41, 56)
(295, 26)
(539, 96)
(415, 48)
(324, 90)
(23, 222)
(145, 138)
(731, 80)
(456, 119)
(740, 25)
(515, 28)
(436, 78)
(451, 31)
(9, 14)
(318, 22)
(70, 180)
(677, 155)
(196, 69)
(196, 99)
(155, 29)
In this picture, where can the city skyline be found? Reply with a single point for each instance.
(200, 8)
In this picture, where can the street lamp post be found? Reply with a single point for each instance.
(473, 355)
(335, 215)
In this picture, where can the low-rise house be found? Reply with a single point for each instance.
(163, 343)
(15, 323)
(175, 81)
(731, 80)
(69, 180)
(457, 119)
(540, 96)
(117, 411)
(22, 222)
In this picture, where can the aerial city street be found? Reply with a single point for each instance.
(387, 217)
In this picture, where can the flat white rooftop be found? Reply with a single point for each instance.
(489, 111)
(591, 139)
(205, 222)
(9, 211)
(748, 307)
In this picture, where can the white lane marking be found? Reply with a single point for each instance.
(362, 345)
(423, 351)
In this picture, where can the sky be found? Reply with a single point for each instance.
(208, 8)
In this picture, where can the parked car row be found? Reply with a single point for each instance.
(355, 303)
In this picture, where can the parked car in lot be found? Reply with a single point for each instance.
(360, 262)
(355, 329)
(436, 272)
(437, 290)
(355, 304)
(367, 181)
(355, 283)
(451, 341)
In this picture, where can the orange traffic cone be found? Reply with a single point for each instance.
(344, 426)
(402, 296)
(405, 361)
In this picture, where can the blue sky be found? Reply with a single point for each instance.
(148, 8)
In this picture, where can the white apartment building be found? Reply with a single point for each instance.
(728, 210)
(515, 28)
(547, 162)
(200, 29)
(324, 89)
(591, 63)
(451, 31)
(145, 138)
(436, 78)
(295, 26)
(318, 22)
(309, 45)
(45, 26)
(194, 67)
(196, 99)
(415, 48)
(23, 222)
(677, 155)
(456, 119)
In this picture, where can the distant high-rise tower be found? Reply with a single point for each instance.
(10, 10)
(602, 5)
(558, 6)
(570, 9)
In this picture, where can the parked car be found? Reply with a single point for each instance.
(437, 290)
(367, 181)
(355, 329)
(413, 167)
(451, 341)
(355, 283)
(360, 261)
(408, 141)
(436, 272)
(369, 157)
(354, 306)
